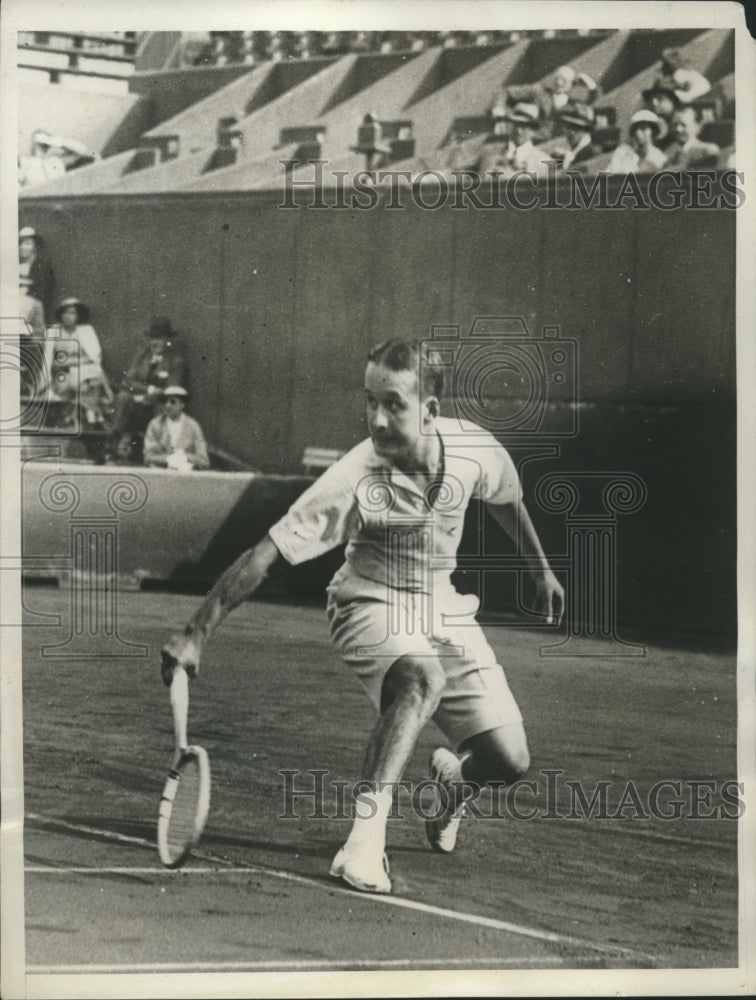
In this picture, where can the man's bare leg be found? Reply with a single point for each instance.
(416, 685)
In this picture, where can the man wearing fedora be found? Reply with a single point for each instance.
(174, 440)
(158, 363)
(578, 122)
(515, 152)
(640, 155)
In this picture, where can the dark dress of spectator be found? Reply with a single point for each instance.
(127, 450)
(688, 151)
(157, 364)
(33, 264)
(641, 154)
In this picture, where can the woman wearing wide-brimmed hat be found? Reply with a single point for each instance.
(76, 361)
(640, 155)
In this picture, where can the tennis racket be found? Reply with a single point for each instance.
(186, 795)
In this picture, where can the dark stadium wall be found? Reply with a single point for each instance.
(278, 308)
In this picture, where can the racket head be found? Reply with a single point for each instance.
(184, 807)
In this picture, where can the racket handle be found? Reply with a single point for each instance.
(180, 706)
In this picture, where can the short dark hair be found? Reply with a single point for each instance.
(690, 107)
(404, 356)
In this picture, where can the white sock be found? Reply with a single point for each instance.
(371, 812)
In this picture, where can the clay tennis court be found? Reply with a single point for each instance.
(544, 893)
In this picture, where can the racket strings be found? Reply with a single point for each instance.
(182, 823)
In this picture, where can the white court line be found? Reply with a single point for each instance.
(108, 834)
(194, 870)
(378, 964)
(332, 887)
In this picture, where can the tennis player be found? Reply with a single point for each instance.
(398, 500)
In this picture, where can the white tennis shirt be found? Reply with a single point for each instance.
(395, 536)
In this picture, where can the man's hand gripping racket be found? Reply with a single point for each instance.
(186, 795)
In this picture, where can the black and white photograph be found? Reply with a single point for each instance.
(377, 538)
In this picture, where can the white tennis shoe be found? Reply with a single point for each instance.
(442, 829)
(363, 868)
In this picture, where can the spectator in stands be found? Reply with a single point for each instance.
(174, 440)
(31, 339)
(127, 450)
(661, 98)
(370, 142)
(509, 155)
(641, 154)
(31, 312)
(689, 151)
(550, 98)
(578, 122)
(73, 153)
(42, 164)
(584, 90)
(157, 364)
(33, 264)
(687, 82)
(76, 374)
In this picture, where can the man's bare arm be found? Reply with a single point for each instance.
(515, 520)
(238, 582)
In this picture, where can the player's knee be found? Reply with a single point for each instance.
(500, 759)
(516, 765)
(419, 678)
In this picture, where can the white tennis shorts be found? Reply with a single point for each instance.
(372, 626)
